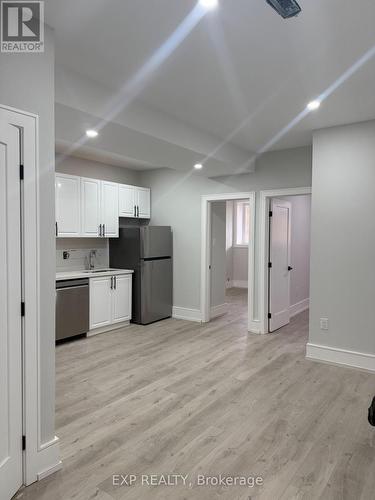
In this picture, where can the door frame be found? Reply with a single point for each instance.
(206, 201)
(39, 459)
(264, 199)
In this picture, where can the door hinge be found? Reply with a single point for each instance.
(270, 213)
(269, 315)
(23, 443)
(269, 265)
(22, 308)
(21, 172)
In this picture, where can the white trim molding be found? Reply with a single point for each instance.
(218, 310)
(186, 314)
(39, 457)
(206, 251)
(299, 307)
(341, 357)
(265, 197)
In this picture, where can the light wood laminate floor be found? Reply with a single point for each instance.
(180, 398)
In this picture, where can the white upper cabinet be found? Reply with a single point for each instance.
(143, 203)
(90, 207)
(127, 203)
(134, 202)
(68, 220)
(109, 209)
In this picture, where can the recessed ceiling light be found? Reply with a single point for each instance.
(208, 4)
(91, 133)
(198, 166)
(313, 105)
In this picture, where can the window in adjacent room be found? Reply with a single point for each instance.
(242, 223)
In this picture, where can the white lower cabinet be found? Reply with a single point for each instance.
(110, 300)
(121, 301)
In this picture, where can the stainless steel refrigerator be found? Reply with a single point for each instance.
(148, 251)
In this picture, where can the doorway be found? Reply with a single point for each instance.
(285, 255)
(217, 291)
(24, 458)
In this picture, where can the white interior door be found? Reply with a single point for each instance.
(279, 272)
(10, 314)
(90, 207)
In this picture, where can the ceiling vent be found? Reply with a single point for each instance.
(286, 8)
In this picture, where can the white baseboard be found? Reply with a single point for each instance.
(341, 357)
(187, 314)
(255, 327)
(108, 328)
(299, 307)
(218, 310)
(237, 284)
(43, 462)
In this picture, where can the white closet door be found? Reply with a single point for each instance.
(279, 276)
(90, 207)
(10, 313)
(68, 206)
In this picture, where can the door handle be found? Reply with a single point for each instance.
(56, 229)
(290, 268)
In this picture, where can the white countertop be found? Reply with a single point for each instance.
(71, 275)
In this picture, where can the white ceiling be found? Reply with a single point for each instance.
(241, 68)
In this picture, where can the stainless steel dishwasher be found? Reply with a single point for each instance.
(72, 308)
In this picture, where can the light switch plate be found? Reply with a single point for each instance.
(324, 323)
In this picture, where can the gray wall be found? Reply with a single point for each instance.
(27, 83)
(176, 201)
(218, 253)
(96, 170)
(343, 237)
(300, 248)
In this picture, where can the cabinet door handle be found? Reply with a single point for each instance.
(115, 278)
(137, 210)
(104, 230)
(100, 229)
(56, 229)
(111, 282)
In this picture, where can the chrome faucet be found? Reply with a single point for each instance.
(91, 259)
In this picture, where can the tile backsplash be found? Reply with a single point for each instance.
(79, 250)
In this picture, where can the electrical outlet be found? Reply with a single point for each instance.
(324, 323)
